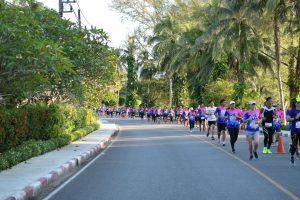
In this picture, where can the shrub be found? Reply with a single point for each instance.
(32, 148)
(41, 122)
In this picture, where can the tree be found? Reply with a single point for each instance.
(131, 73)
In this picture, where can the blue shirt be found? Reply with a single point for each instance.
(252, 125)
(296, 122)
(220, 111)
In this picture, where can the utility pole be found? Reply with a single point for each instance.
(79, 18)
(61, 9)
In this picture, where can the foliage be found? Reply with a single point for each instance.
(32, 148)
(217, 90)
(44, 58)
(231, 40)
(40, 122)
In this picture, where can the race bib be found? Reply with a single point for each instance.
(202, 117)
(223, 113)
(254, 125)
(232, 118)
(298, 125)
(268, 124)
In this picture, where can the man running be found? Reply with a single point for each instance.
(234, 115)
(165, 114)
(252, 118)
(191, 117)
(268, 112)
(211, 119)
(202, 111)
(222, 122)
(294, 118)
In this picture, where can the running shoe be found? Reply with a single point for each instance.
(293, 164)
(207, 134)
(269, 151)
(251, 157)
(265, 150)
(223, 144)
(233, 150)
(255, 155)
(212, 138)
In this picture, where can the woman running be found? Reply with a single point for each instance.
(252, 118)
(234, 115)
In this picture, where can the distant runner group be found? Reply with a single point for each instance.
(223, 119)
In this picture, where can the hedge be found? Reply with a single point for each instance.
(40, 122)
(32, 148)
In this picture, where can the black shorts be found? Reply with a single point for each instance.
(211, 123)
(201, 120)
(221, 127)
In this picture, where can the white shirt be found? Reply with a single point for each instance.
(210, 111)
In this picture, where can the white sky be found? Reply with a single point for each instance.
(98, 13)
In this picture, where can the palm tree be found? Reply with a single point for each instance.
(148, 68)
(166, 35)
(232, 28)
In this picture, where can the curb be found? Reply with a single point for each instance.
(33, 189)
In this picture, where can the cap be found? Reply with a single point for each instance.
(252, 102)
(232, 102)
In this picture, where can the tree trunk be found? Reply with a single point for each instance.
(148, 88)
(171, 93)
(297, 74)
(277, 52)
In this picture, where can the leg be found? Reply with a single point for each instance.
(266, 136)
(232, 137)
(270, 139)
(256, 141)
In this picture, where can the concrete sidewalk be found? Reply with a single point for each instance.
(26, 179)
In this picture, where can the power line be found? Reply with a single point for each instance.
(77, 2)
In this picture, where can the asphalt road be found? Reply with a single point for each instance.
(148, 161)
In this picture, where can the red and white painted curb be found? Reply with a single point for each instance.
(35, 188)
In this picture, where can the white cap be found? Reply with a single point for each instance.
(252, 102)
(231, 102)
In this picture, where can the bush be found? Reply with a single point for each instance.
(40, 122)
(32, 148)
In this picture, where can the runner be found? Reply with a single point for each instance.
(293, 106)
(172, 115)
(222, 121)
(211, 119)
(294, 118)
(252, 118)
(234, 116)
(202, 111)
(159, 113)
(186, 117)
(277, 123)
(268, 113)
(142, 112)
(197, 117)
(165, 114)
(191, 116)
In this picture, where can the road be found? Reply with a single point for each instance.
(148, 161)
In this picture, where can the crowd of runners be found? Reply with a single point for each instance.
(218, 120)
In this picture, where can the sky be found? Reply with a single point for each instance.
(98, 13)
